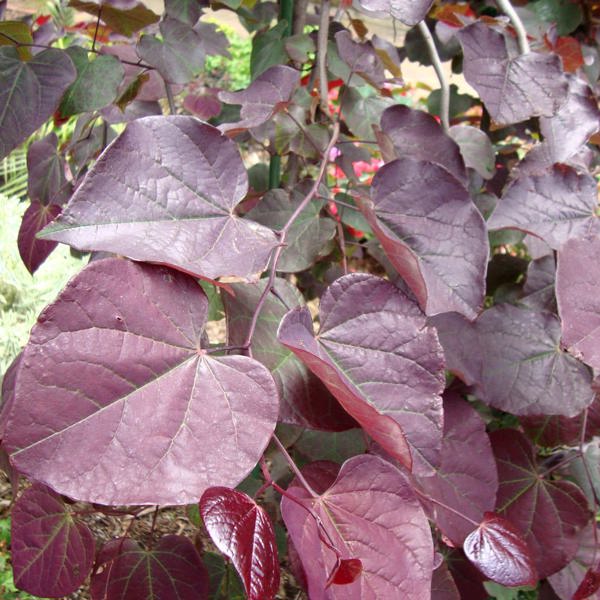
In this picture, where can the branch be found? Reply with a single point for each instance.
(439, 71)
(322, 40)
(511, 13)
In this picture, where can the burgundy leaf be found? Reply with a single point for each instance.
(243, 531)
(165, 191)
(500, 553)
(370, 514)
(538, 288)
(467, 479)
(46, 181)
(379, 359)
(346, 570)
(588, 586)
(171, 569)
(52, 553)
(269, 93)
(409, 12)
(513, 88)
(416, 134)
(577, 281)
(556, 205)
(530, 501)
(9, 381)
(204, 106)
(33, 251)
(469, 580)
(304, 400)
(443, 586)
(30, 92)
(438, 244)
(119, 404)
(476, 149)
(513, 357)
(361, 58)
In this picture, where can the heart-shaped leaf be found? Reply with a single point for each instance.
(171, 569)
(119, 404)
(499, 552)
(52, 553)
(305, 401)
(438, 244)
(409, 12)
(369, 507)
(243, 531)
(345, 571)
(577, 281)
(513, 88)
(124, 18)
(466, 479)
(30, 92)
(33, 251)
(513, 357)
(556, 205)
(379, 359)
(530, 501)
(142, 200)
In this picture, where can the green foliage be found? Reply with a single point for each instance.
(231, 73)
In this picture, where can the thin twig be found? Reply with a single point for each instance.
(512, 14)
(294, 467)
(439, 71)
(322, 41)
(96, 30)
(304, 131)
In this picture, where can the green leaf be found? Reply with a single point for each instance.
(268, 49)
(362, 112)
(13, 32)
(565, 13)
(459, 103)
(224, 582)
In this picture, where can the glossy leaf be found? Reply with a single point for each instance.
(500, 552)
(269, 93)
(556, 206)
(119, 404)
(476, 149)
(379, 359)
(142, 200)
(438, 244)
(369, 507)
(52, 553)
(33, 251)
(304, 400)
(530, 501)
(409, 12)
(243, 531)
(171, 569)
(126, 21)
(513, 357)
(513, 88)
(577, 280)
(467, 479)
(46, 182)
(30, 92)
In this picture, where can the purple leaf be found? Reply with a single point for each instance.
(476, 149)
(438, 244)
(513, 357)
(409, 12)
(204, 106)
(143, 200)
(442, 584)
(369, 508)
(119, 404)
(500, 553)
(52, 553)
(577, 281)
(171, 569)
(243, 531)
(30, 92)
(304, 400)
(188, 11)
(530, 501)
(379, 359)
(361, 58)
(416, 134)
(269, 93)
(556, 205)
(9, 380)
(33, 251)
(538, 288)
(467, 479)
(46, 181)
(513, 88)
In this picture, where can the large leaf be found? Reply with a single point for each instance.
(33, 251)
(304, 400)
(171, 569)
(119, 404)
(133, 17)
(379, 359)
(30, 92)
(531, 501)
(513, 88)
(52, 553)
(369, 513)
(409, 12)
(556, 205)
(499, 552)
(243, 531)
(165, 191)
(466, 479)
(577, 281)
(433, 234)
(269, 93)
(513, 357)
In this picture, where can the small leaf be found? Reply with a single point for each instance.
(46, 182)
(52, 553)
(243, 531)
(33, 251)
(589, 585)
(409, 12)
(476, 149)
(346, 570)
(361, 58)
(132, 18)
(500, 553)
